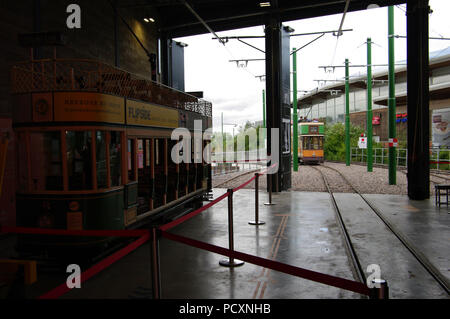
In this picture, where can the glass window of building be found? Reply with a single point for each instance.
(360, 100)
(315, 111)
(340, 108)
(323, 110)
(331, 114)
(351, 99)
(79, 159)
(46, 164)
(441, 75)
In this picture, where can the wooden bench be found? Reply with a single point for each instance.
(441, 189)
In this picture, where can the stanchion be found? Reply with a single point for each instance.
(380, 289)
(230, 262)
(256, 221)
(155, 266)
(270, 191)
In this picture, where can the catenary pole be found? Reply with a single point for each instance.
(295, 121)
(347, 115)
(391, 101)
(369, 106)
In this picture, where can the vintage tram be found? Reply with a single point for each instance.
(310, 142)
(94, 150)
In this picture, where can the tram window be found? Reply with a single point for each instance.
(100, 151)
(46, 172)
(131, 155)
(79, 159)
(115, 164)
(156, 151)
(306, 143)
(147, 153)
(140, 153)
(315, 143)
(313, 129)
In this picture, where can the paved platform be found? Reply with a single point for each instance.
(300, 230)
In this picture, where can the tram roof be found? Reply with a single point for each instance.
(176, 20)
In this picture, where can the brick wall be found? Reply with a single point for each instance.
(95, 39)
(382, 130)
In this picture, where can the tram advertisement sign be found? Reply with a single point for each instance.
(140, 113)
(88, 107)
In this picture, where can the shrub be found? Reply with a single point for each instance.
(334, 145)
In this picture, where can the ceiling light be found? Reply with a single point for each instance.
(264, 4)
(148, 20)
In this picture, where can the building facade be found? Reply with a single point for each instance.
(327, 103)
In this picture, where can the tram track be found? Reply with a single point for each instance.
(236, 177)
(357, 269)
(421, 258)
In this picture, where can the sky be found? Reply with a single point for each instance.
(237, 92)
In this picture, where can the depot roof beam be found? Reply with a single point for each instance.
(203, 22)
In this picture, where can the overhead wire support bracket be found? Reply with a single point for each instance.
(307, 43)
(256, 48)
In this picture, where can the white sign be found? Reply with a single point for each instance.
(362, 143)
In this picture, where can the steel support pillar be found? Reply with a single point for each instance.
(418, 100)
(278, 109)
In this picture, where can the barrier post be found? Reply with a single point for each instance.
(155, 265)
(380, 289)
(270, 191)
(256, 221)
(230, 262)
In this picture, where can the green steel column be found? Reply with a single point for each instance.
(295, 121)
(347, 115)
(369, 106)
(391, 101)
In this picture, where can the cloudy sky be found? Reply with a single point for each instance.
(237, 92)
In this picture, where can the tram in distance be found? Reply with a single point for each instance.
(310, 142)
(94, 151)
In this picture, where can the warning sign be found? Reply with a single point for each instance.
(362, 143)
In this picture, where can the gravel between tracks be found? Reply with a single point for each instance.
(309, 180)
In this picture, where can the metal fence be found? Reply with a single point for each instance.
(439, 157)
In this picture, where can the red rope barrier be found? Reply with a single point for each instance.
(108, 261)
(245, 184)
(192, 214)
(275, 265)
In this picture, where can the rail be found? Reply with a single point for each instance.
(93, 76)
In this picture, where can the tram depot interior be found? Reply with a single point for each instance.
(87, 111)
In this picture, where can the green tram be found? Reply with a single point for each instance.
(94, 151)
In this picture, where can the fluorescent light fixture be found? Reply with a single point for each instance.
(372, 6)
(264, 4)
(148, 20)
